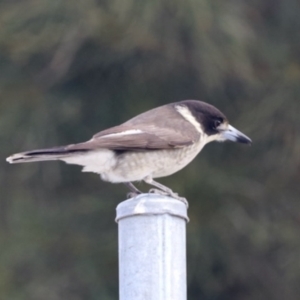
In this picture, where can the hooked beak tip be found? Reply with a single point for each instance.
(235, 135)
(244, 140)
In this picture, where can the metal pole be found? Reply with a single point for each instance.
(152, 248)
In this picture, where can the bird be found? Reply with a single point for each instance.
(154, 144)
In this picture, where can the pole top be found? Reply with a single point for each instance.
(151, 204)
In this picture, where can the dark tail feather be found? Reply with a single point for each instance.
(42, 155)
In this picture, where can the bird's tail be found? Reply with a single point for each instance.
(42, 155)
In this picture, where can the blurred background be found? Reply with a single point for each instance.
(70, 68)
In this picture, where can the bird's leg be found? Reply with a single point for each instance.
(163, 190)
(134, 190)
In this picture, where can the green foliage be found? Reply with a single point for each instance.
(72, 68)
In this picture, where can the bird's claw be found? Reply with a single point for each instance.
(171, 194)
(132, 195)
(157, 191)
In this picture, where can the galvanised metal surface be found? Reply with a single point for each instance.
(152, 248)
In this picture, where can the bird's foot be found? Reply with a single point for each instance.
(134, 191)
(157, 191)
(171, 194)
(132, 195)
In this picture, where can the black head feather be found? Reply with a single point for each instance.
(207, 115)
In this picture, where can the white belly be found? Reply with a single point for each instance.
(135, 166)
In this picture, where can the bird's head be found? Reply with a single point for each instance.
(208, 120)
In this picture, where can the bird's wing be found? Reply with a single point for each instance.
(122, 138)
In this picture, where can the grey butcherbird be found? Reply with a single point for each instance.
(154, 144)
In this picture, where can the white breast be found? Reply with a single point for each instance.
(135, 166)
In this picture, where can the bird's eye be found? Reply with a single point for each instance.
(217, 123)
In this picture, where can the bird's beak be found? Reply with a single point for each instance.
(234, 135)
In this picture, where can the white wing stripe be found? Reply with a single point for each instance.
(126, 132)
